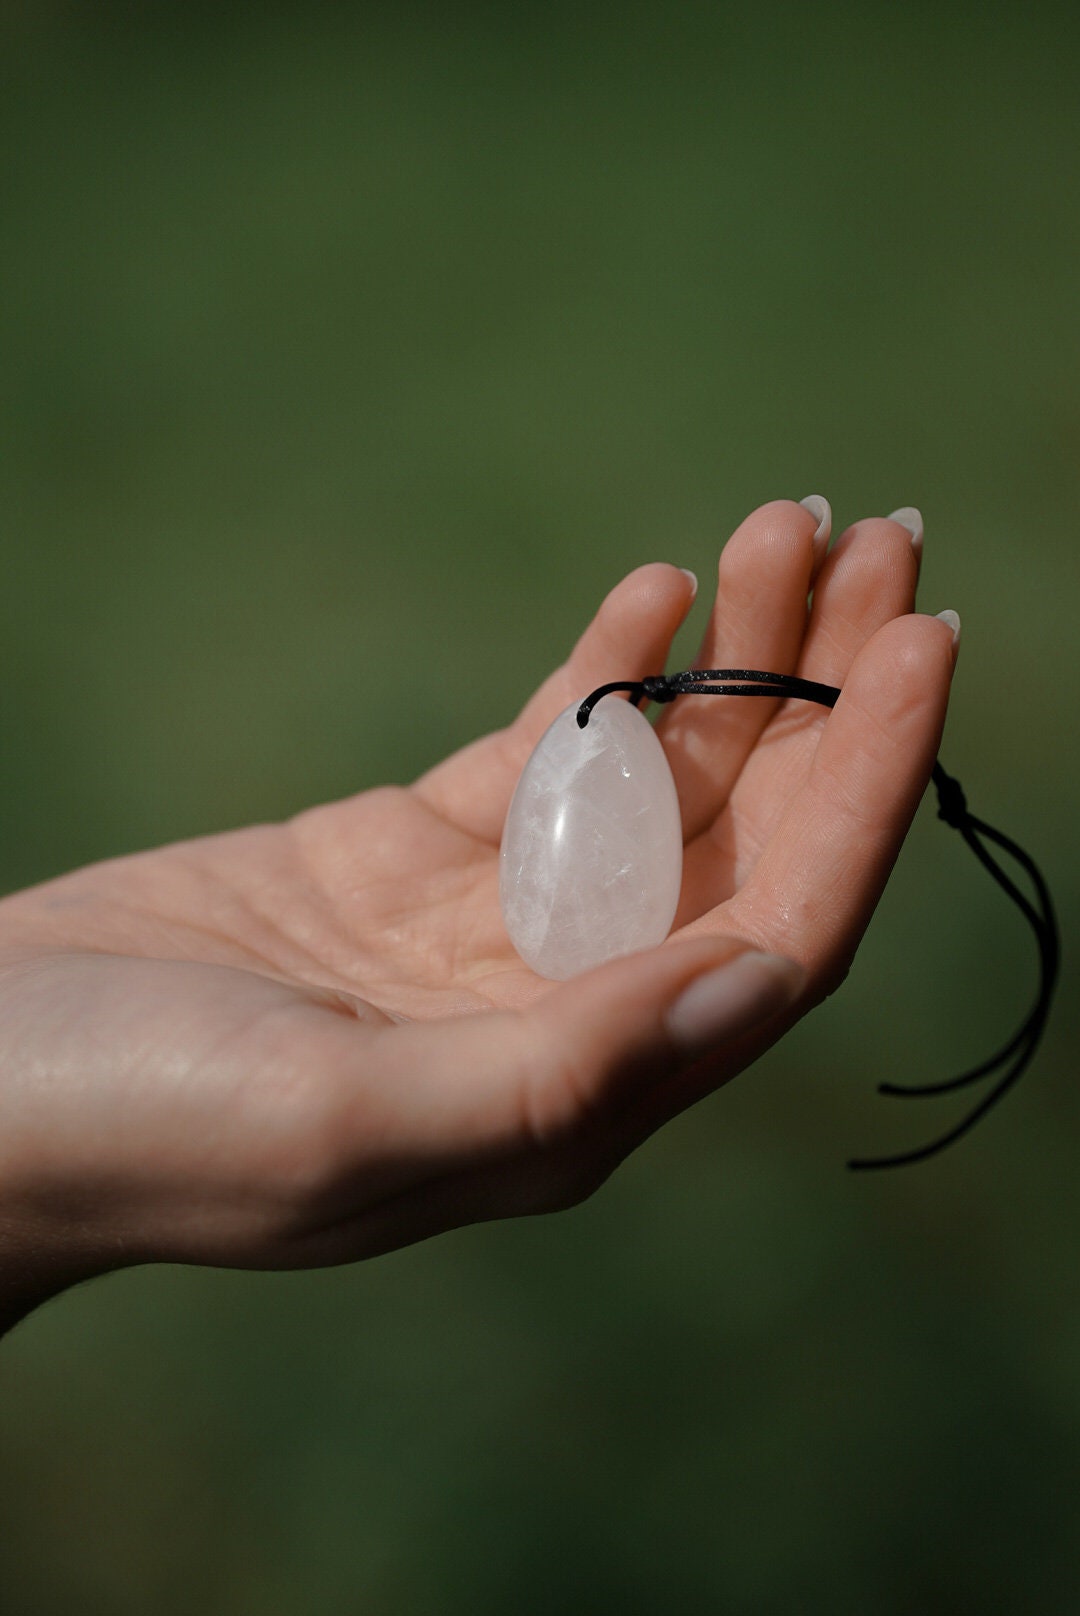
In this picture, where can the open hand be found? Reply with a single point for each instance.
(306, 1043)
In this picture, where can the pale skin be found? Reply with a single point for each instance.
(308, 1043)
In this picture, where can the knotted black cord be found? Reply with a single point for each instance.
(953, 809)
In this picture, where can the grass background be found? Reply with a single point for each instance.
(348, 355)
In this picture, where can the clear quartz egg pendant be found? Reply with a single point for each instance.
(591, 861)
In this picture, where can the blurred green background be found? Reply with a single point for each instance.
(348, 356)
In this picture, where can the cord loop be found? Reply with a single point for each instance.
(1014, 1056)
(952, 804)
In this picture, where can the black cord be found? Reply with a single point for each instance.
(1017, 1053)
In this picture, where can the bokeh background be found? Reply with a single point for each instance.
(348, 356)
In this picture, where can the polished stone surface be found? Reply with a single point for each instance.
(592, 847)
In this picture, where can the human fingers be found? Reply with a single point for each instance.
(528, 1111)
(757, 621)
(812, 891)
(868, 579)
(629, 637)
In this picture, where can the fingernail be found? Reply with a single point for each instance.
(910, 516)
(819, 506)
(729, 1001)
(953, 620)
(692, 577)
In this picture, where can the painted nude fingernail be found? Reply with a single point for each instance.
(910, 516)
(726, 1002)
(819, 506)
(953, 620)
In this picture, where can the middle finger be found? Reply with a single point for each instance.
(758, 621)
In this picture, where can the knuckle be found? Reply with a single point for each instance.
(559, 1098)
(574, 1186)
(567, 1130)
(572, 1179)
(295, 1162)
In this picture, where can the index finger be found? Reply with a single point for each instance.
(630, 636)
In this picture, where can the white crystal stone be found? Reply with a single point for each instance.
(592, 847)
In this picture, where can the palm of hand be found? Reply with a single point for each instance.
(179, 970)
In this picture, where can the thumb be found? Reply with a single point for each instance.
(530, 1110)
(626, 1033)
(487, 1083)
